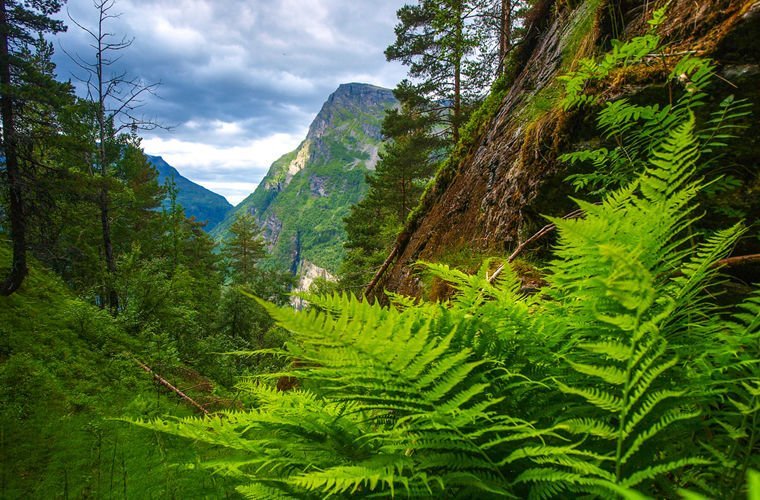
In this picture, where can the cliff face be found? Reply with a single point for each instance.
(302, 200)
(509, 178)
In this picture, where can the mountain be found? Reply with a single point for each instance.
(302, 200)
(197, 201)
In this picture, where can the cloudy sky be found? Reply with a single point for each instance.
(240, 80)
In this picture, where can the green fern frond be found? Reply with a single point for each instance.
(651, 431)
(590, 426)
(597, 397)
(652, 472)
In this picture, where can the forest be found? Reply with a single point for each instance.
(538, 269)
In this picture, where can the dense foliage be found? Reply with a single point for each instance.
(627, 371)
(142, 292)
(621, 376)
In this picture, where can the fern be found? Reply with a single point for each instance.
(620, 378)
(635, 131)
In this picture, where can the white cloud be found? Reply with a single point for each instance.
(235, 192)
(233, 171)
(241, 80)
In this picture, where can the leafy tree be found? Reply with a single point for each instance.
(19, 23)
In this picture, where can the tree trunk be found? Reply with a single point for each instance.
(111, 296)
(458, 56)
(15, 188)
(505, 35)
(105, 222)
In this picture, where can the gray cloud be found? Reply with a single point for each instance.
(240, 80)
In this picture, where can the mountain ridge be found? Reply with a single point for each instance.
(302, 200)
(198, 201)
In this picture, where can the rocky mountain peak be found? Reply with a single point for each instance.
(303, 199)
(351, 99)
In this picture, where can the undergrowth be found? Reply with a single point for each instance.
(63, 378)
(621, 377)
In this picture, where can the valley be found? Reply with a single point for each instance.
(530, 269)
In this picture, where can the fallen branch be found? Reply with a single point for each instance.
(162, 381)
(537, 236)
(381, 271)
(739, 260)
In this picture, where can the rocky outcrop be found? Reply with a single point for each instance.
(496, 195)
(307, 274)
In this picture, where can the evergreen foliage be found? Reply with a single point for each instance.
(27, 92)
(244, 248)
(64, 376)
(407, 162)
(454, 50)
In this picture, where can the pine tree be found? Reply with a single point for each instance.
(435, 39)
(244, 249)
(19, 23)
(407, 162)
(116, 99)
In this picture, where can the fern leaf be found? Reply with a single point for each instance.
(597, 397)
(664, 421)
(654, 471)
(610, 374)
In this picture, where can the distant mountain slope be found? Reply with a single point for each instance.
(199, 202)
(302, 200)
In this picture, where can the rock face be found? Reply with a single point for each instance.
(199, 202)
(302, 200)
(497, 195)
(307, 274)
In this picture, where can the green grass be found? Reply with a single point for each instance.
(64, 378)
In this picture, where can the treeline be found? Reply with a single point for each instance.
(79, 195)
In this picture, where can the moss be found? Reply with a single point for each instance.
(582, 31)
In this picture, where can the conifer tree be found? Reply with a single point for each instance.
(116, 98)
(434, 39)
(244, 248)
(408, 160)
(20, 22)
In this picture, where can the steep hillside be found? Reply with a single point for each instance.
(306, 194)
(65, 374)
(197, 201)
(500, 183)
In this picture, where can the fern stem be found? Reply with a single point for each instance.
(483, 454)
(624, 411)
(750, 447)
